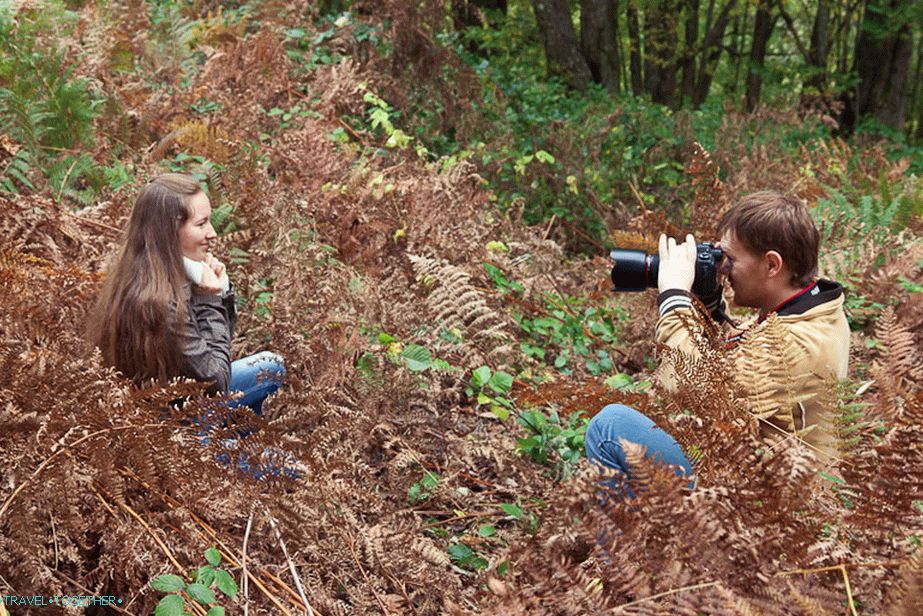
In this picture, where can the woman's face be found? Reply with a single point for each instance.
(197, 232)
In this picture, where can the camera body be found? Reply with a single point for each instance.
(635, 270)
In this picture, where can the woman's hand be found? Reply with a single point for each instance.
(217, 266)
(211, 276)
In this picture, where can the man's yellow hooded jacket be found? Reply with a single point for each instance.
(785, 361)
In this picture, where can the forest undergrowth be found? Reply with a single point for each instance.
(442, 356)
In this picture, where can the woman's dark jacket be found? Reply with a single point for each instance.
(206, 339)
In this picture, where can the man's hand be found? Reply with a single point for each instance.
(677, 264)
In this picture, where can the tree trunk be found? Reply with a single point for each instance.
(634, 53)
(690, 43)
(660, 34)
(711, 53)
(561, 50)
(737, 42)
(820, 48)
(598, 41)
(882, 62)
(916, 103)
(762, 29)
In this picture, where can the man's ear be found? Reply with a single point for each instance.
(773, 263)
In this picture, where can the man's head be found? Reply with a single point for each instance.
(771, 246)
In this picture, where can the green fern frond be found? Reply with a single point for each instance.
(16, 170)
(76, 177)
(25, 122)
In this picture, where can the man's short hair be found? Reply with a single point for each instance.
(768, 220)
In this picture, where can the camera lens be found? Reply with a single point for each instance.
(634, 270)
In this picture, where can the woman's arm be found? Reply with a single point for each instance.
(207, 338)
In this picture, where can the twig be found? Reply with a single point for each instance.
(483, 514)
(878, 564)
(243, 562)
(381, 604)
(291, 565)
(41, 467)
(93, 223)
(852, 605)
(667, 593)
(554, 217)
(54, 536)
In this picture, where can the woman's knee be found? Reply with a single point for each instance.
(267, 361)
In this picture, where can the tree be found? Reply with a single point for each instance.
(599, 41)
(882, 62)
(762, 30)
(700, 57)
(561, 50)
(634, 52)
(660, 38)
(820, 47)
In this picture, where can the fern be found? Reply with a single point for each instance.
(76, 177)
(25, 122)
(16, 170)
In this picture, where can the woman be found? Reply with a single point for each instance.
(167, 309)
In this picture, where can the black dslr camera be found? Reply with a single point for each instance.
(635, 270)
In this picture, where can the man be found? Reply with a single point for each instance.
(770, 246)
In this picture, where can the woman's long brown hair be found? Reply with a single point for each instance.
(137, 318)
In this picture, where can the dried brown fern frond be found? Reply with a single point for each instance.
(454, 303)
(898, 372)
(710, 200)
(906, 595)
(203, 139)
(218, 29)
(634, 241)
(651, 223)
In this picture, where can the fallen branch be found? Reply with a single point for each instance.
(666, 594)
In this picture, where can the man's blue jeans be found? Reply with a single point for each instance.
(617, 421)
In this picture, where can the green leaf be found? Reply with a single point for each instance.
(503, 568)
(545, 157)
(213, 557)
(205, 575)
(918, 505)
(514, 511)
(215, 611)
(484, 398)
(500, 412)
(168, 583)
(459, 552)
(201, 593)
(171, 605)
(430, 480)
(417, 358)
(618, 381)
(501, 382)
(226, 583)
(486, 530)
(480, 377)
(832, 478)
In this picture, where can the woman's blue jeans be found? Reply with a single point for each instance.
(617, 421)
(257, 376)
